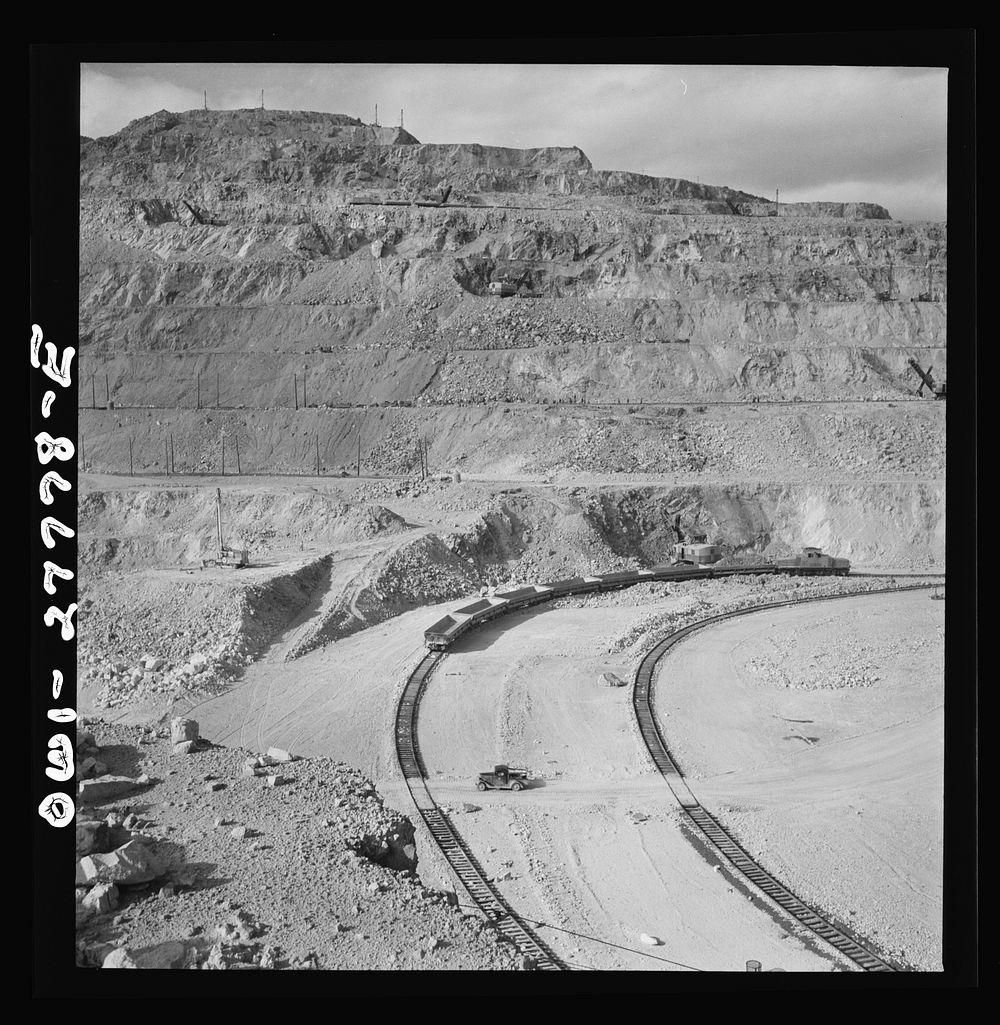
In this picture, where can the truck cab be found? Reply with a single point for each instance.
(503, 778)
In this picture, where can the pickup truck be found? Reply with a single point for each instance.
(503, 778)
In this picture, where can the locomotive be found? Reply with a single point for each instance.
(693, 562)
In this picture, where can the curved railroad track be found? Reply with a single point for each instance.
(470, 873)
(709, 827)
(448, 839)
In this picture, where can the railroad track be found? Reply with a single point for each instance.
(456, 851)
(717, 835)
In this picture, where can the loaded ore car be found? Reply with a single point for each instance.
(623, 578)
(695, 561)
(522, 597)
(444, 631)
(812, 560)
(573, 585)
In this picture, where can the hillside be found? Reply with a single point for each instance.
(301, 310)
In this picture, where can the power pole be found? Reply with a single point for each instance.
(317, 455)
(206, 99)
(400, 117)
(305, 378)
(223, 455)
(776, 202)
(131, 468)
(295, 385)
(199, 390)
(172, 465)
(359, 452)
(376, 115)
(262, 99)
(166, 455)
(217, 377)
(237, 442)
(107, 392)
(93, 391)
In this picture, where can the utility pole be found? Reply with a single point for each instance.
(262, 99)
(305, 378)
(223, 455)
(206, 99)
(166, 455)
(400, 117)
(93, 391)
(199, 390)
(359, 453)
(172, 464)
(776, 202)
(317, 455)
(217, 377)
(131, 468)
(295, 385)
(236, 440)
(376, 115)
(107, 392)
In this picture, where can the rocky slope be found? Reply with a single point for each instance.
(199, 856)
(210, 235)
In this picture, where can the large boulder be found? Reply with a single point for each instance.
(182, 730)
(171, 954)
(92, 836)
(102, 898)
(130, 865)
(106, 788)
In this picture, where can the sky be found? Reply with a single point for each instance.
(840, 134)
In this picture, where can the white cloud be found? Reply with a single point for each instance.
(107, 104)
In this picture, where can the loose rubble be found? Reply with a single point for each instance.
(162, 882)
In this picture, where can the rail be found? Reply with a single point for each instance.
(714, 832)
(446, 836)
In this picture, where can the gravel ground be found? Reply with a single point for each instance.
(816, 734)
(303, 888)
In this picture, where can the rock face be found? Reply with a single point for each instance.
(207, 235)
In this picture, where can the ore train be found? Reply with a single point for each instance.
(691, 562)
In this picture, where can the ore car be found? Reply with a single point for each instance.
(444, 631)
